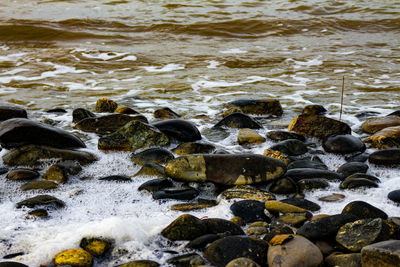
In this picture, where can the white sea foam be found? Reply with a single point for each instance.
(211, 84)
(128, 58)
(213, 64)
(308, 63)
(166, 68)
(233, 51)
(103, 56)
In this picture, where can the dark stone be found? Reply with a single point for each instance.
(260, 107)
(56, 173)
(216, 226)
(22, 174)
(13, 255)
(350, 168)
(394, 195)
(180, 130)
(357, 182)
(151, 169)
(238, 120)
(56, 110)
(363, 210)
(116, 178)
(19, 132)
(395, 113)
(283, 185)
(308, 173)
(343, 144)
(80, 114)
(249, 210)
(358, 157)
(284, 135)
(202, 241)
(366, 114)
(41, 200)
(385, 254)
(39, 185)
(290, 147)
(70, 166)
(281, 230)
(386, 157)
(193, 148)
(41, 213)
(345, 260)
(242, 262)
(377, 124)
(186, 260)
(166, 113)
(125, 110)
(185, 227)
(364, 176)
(222, 251)
(305, 163)
(314, 110)
(10, 112)
(302, 203)
(3, 170)
(155, 155)
(173, 193)
(325, 227)
(156, 184)
(312, 184)
(12, 264)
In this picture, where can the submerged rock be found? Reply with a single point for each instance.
(41, 200)
(80, 114)
(10, 112)
(155, 155)
(104, 104)
(386, 253)
(22, 174)
(238, 120)
(229, 169)
(193, 148)
(19, 132)
(166, 113)
(260, 107)
(74, 258)
(385, 138)
(374, 125)
(386, 157)
(180, 130)
(193, 206)
(343, 144)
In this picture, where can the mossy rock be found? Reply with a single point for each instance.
(56, 173)
(185, 227)
(238, 120)
(302, 203)
(73, 258)
(276, 155)
(249, 136)
(312, 184)
(193, 206)
(257, 230)
(247, 192)
(105, 105)
(80, 114)
(314, 110)
(97, 247)
(374, 125)
(277, 206)
(259, 107)
(385, 138)
(39, 185)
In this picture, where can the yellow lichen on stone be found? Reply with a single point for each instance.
(96, 247)
(277, 206)
(188, 168)
(276, 155)
(74, 258)
(104, 104)
(280, 239)
(385, 138)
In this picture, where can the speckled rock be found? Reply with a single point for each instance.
(96, 246)
(154, 155)
(10, 112)
(343, 144)
(181, 130)
(73, 258)
(363, 210)
(36, 185)
(382, 254)
(374, 125)
(284, 135)
(249, 136)
(348, 260)
(193, 148)
(249, 210)
(312, 184)
(276, 155)
(290, 147)
(166, 113)
(238, 120)
(104, 104)
(22, 174)
(246, 192)
(387, 157)
(294, 219)
(185, 227)
(260, 107)
(385, 138)
(41, 200)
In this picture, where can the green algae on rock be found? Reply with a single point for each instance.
(385, 138)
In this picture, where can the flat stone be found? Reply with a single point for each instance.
(387, 157)
(249, 136)
(302, 203)
(22, 174)
(176, 193)
(305, 163)
(41, 200)
(374, 125)
(332, 198)
(247, 192)
(193, 148)
(36, 185)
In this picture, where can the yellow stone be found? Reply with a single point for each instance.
(249, 136)
(104, 104)
(277, 206)
(74, 258)
(280, 239)
(239, 221)
(96, 247)
(276, 155)
(385, 138)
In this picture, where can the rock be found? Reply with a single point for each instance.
(275, 231)
(350, 168)
(22, 174)
(41, 200)
(151, 169)
(107, 124)
(364, 176)
(202, 241)
(226, 249)
(385, 138)
(12, 264)
(325, 227)
(304, 163)
(105, 105)
(249, 136)
(32, 155)
(56, 173)
(302, 203)
(176, 193)
(356, 235)
(242, 262)
(363, 210)
(3, 170)
(246, 192)
(193, 206)
(183, 131)
(376, 124)
(10, 112)
(312, 184)
(116, 178)
(308, 173)
(318, 126)
(97, 247)
(156, 184)
(366, 114)
(358, 157)
(277, 206)
(357, 182)
(343, 144)
(348, 260)
(125, 110)
(238, 120)
(386, 157)
(385, 254)
(216, 226)
(249, 210)
(19, 132)
(70, 166)
(276, 155)
(80, 114)
(41, 213)
(394, 195)
(56, 110)
(140, 263)
(185, 227)
(193, 148)
(186, 260)
(283, 185)
(296, 252)
(294, 219)
(36, 185)
(155, 155)
(284, 135)
(314, 110)
(256, 230)
(166, 113)
(290, 147)
(229, 169)
(260, 107)
(332, 198)
(134, 135)
(73, 258)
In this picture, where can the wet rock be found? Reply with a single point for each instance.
(105, 105)
(348, 260)
(166, 113)
(193, 206)
(97, 247)
(22, 174)
(325, 227)
(363, 210)
(226, 249)
(156, 184)
(186, 260)
(116, 178)
(314, 110)
(290, 147)
(260, 107)
(41, 200)
(39, 185)
(151, 169)
(318, 126)
(140, 263)
(343, 144)
(32, 155)
(56, 110)
(56, 173)
(276, 231)
(305, 163)
(216, 225)
(176, 193)
(193, 148)
(357, 182)
(249, 136)
(296, 252)
(256, 230)
(374, 125)
(358, 157)
(283, 185)
(19, 132)
(242, 262)
(308, 173)
(125, 110)
(10, 112)
(312, 184)
(247, 192)
(183, 131)
(80, 114)
(394, 195)
(284, 135)
(276, 155)
(385, 138)
(386, 157)
(238, 120)
(332, 198)
(294, 219)
(356, 235)
(249, 210)
(395, 113)
(132, 136)
(350, 168)
(154, 155)
(74, 258)
(302, 203)
(385, 254)
(229, 169)
(3, 170)
(70, 167)
(107, 124)
(12, 264)
(202, 241)
(41, 213)
(185, 227)
(277, 206)
(364, 176)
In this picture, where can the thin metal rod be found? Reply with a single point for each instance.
(341, 101)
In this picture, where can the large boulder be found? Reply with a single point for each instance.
(318, 126)
(238, 120)
(19, 132)
(259, 107)
(364, 210)
(180, 130)
(385, 157)
(382, 254)
(9, 112)
(74, 258)
(385, 138)
(133, 136)
(228, 169)
(343, 144)
(374, 125)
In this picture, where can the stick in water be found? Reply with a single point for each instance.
(341, 101)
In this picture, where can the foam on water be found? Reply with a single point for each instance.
(166, 68)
